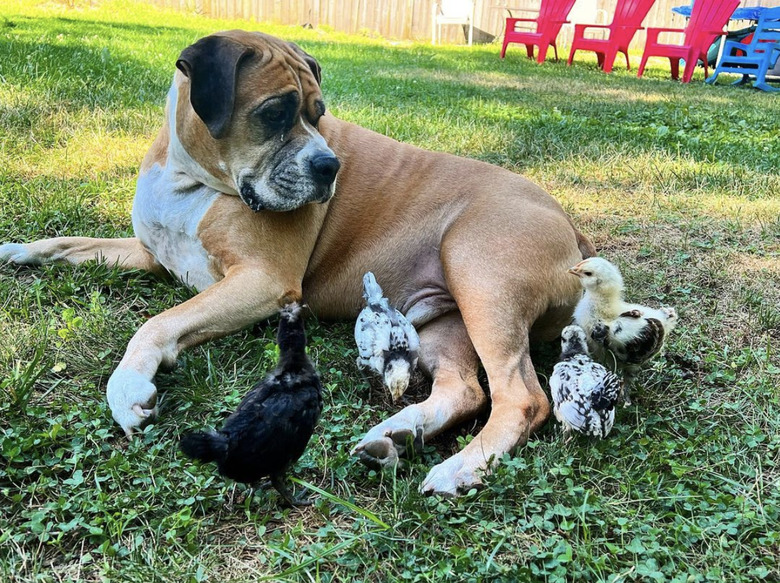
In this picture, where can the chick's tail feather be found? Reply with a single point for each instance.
(371, 290)
(205, 446)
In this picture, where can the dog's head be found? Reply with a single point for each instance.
(247, 113)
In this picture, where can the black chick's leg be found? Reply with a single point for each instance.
(278, 482)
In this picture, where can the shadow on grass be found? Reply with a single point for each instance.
(541, 114)
(41, 207)
(88, 64)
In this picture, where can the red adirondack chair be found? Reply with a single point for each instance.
(708, 17)
(552, 16)
(628, 18)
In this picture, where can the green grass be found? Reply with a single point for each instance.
(679, 184)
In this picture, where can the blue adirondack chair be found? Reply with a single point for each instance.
(757, 57)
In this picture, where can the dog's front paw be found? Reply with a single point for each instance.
(381, 451)
(452, 477)
(132, 399)
(17, 253)
(377, 453)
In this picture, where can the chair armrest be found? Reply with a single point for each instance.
(653, 32)
(584, 26)
(663, 29)
(731, 45)
(579, 29)
(512, 21)
(511, 9)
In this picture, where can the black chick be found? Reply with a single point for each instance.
(274, 422)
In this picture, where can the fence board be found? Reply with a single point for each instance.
(409, 19)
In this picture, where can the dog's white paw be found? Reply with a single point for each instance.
(17, 253)
(132, 399)
(397, 437)
(382, 451)
(452, 477)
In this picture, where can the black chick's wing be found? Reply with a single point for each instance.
(255, 433)
(295, 413)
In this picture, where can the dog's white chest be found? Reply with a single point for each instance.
(167, 210)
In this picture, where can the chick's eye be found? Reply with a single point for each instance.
(588, 273)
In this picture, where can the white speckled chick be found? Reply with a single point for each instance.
(584, 393)
(387, 342)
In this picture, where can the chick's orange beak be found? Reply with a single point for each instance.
(577, 269)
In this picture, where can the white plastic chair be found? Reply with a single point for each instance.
(452, 12)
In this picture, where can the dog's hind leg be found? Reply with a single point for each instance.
(502, 289)
(446, 354)
(518, 408)
(126, 253)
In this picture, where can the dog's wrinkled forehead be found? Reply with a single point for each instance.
(266, 47)
(270, 65)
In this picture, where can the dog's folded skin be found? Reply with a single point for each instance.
(474, 255)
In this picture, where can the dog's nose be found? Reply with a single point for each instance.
(324, 168)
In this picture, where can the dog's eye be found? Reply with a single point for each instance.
(277, 114)
(274, 116)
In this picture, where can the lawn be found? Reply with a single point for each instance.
(678, 184)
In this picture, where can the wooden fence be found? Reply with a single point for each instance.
(411, 19)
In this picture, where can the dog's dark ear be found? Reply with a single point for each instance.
(316, 70)
(211, 65)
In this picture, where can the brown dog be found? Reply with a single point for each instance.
(474, 255)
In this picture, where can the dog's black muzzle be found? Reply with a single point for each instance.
(324, 167)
